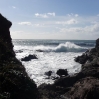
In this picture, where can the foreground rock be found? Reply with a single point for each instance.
(14, 81)
(87, 88)
(28, 58)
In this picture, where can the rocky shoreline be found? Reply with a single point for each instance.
(15, 83)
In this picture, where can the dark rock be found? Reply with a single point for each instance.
(4, 32)
(62, 72)
(82, 59)
(49, 73)
(48, 91)
(87, 88)
(67, 81)
(39, 50)
(18, 51)
(91, 68)
(97, 43)
(28, 58)
(14, 81)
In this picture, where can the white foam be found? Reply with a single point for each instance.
(50, 60)
(63, 47)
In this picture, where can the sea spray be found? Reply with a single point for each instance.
(63, 47)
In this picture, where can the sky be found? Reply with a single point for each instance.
(52, 19)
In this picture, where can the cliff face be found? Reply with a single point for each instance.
(14, 81)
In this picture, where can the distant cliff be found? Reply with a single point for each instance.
(14, 81)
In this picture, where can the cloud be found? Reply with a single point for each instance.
(98, 15)
(75, 15)
(25, 23)
(45, 15)
(92, 29)
(69, 22)
(13, 7)
(52, 14)
(39, 25)
(41, 15)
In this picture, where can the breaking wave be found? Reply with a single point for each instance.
(63, 47)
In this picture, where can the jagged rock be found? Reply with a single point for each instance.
(62, 72)
(82, 59)
(87, 88)
(29, 57)
(14, 81)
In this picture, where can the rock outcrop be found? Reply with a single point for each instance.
(14, 81)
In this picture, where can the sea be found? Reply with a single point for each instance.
(52, 55)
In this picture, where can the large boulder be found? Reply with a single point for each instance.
(14, 81)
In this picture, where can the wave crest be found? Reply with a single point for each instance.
(63, 47)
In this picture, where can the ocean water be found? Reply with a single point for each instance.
(56, 54)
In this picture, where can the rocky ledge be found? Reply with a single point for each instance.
(15, 83)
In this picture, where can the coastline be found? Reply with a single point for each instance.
(15, 83)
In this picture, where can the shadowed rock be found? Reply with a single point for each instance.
(28, 58)
(62, 72)
(14, 81)
(87, 88)
(49, 73)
